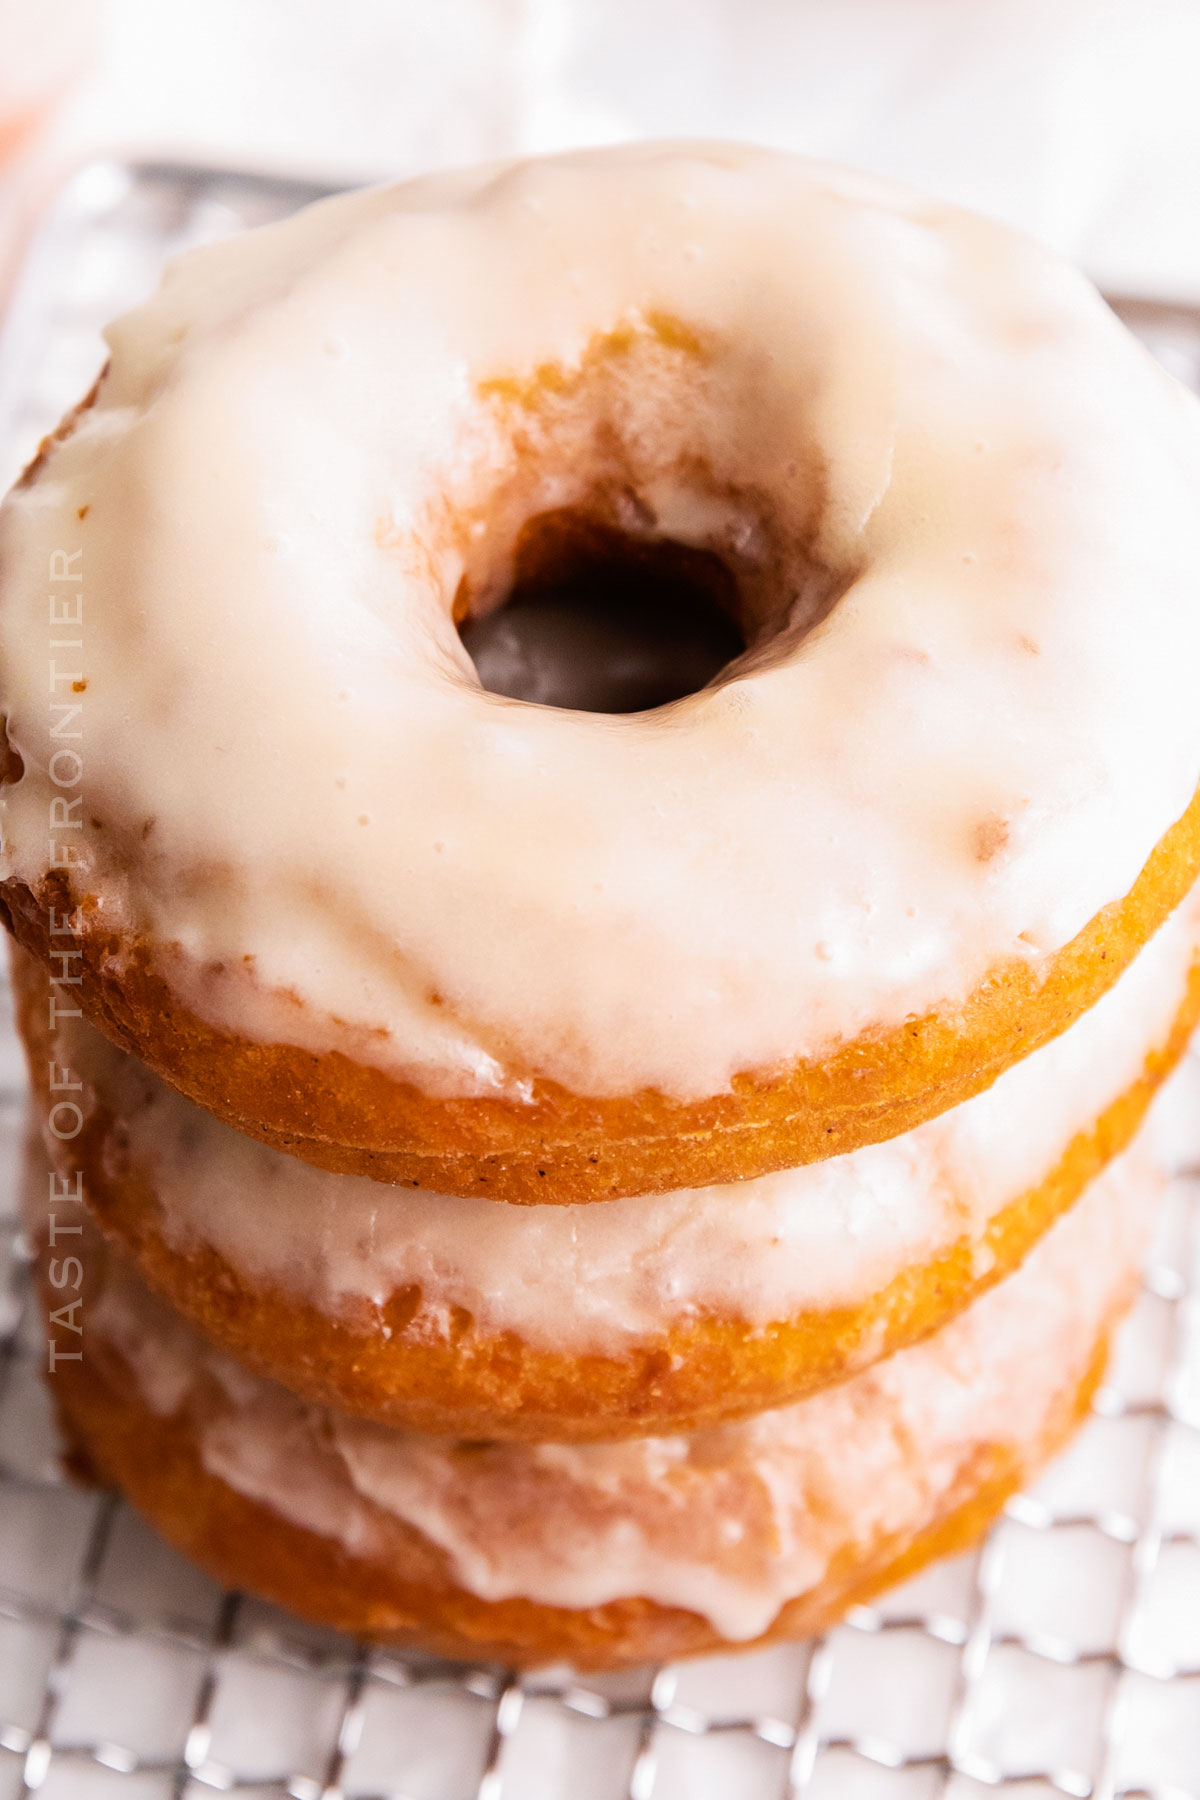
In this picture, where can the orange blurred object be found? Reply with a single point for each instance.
(42, 51)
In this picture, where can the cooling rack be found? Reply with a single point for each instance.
(1062, 1658)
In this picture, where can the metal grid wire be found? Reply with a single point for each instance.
(1063, 1658)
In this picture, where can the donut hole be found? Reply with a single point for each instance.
(620, 536)
(600, 621)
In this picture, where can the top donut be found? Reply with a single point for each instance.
(262, 817)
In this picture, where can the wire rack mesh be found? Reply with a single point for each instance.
(1062, 1658)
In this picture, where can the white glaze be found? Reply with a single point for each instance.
(730, 1523)
(601, 1277)
(298, 779)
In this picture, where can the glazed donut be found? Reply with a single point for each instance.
(604, 1553)
(329, 887)
(469, 1319)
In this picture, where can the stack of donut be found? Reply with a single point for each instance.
(545, 1182)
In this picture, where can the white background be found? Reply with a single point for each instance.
(1079, 119)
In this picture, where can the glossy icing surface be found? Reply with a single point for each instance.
(601, 1277)
(729, 1523)
(958, 504)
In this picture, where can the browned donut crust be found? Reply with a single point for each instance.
(560, 1147)
(405, 1593)
(391, 1366)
